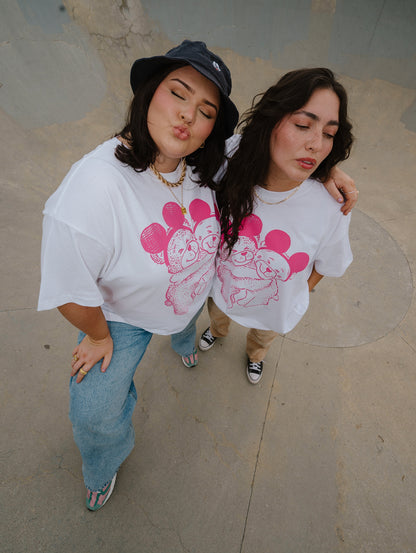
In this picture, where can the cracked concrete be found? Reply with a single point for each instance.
(320, 456)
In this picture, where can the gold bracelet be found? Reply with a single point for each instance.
(97, 342)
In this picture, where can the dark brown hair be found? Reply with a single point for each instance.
(250, 163)
(143, 150)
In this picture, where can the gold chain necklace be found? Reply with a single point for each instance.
(280, 201)
(171, 185)
(183, 208)
(162, 178)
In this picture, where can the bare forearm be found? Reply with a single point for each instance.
(314, 278)
(88, 319)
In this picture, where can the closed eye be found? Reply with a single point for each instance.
(206, 115)
(177, 95)
(306, 127)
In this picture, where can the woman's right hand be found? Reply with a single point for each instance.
(340, 183)
(92, 322)
(88, 353)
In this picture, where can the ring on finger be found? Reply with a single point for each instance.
(75, 358)
(83, 372)
(352, 192)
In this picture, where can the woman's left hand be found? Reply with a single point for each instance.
(341, 187)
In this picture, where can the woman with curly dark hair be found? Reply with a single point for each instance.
(282, 231)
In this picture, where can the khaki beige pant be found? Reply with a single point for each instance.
(258, 341)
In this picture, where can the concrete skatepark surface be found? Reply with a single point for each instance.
(320, 456)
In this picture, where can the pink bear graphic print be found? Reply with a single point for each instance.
(250, 275)
(187, 248)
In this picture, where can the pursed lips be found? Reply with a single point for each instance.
(181, 132)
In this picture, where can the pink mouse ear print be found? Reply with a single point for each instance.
(298, 262)
(251, 226)
(278, 241)
(199, 210)
(172, 213)
(153, 238)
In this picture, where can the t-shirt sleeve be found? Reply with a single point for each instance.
(71, 265)
(335, 255)
(231, 146)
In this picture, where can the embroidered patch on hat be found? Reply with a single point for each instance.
(216, 66)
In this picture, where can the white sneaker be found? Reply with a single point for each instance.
(207, 340)
(254, 371)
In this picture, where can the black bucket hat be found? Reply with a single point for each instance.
(194, 53)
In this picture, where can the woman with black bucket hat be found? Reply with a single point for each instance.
(129, 245)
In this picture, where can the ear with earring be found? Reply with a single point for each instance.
(202, 145)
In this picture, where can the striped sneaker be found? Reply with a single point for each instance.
(96, 500)
(190, 360)
(254, 371)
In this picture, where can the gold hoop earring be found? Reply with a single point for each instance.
(202, 145)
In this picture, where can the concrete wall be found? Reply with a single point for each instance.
(53, 59)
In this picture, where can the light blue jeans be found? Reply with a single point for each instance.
(101, 406)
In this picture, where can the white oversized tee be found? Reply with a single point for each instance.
(117, 238)
(263, 283)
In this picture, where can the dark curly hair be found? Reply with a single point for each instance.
(143, 150)
(249, 165)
